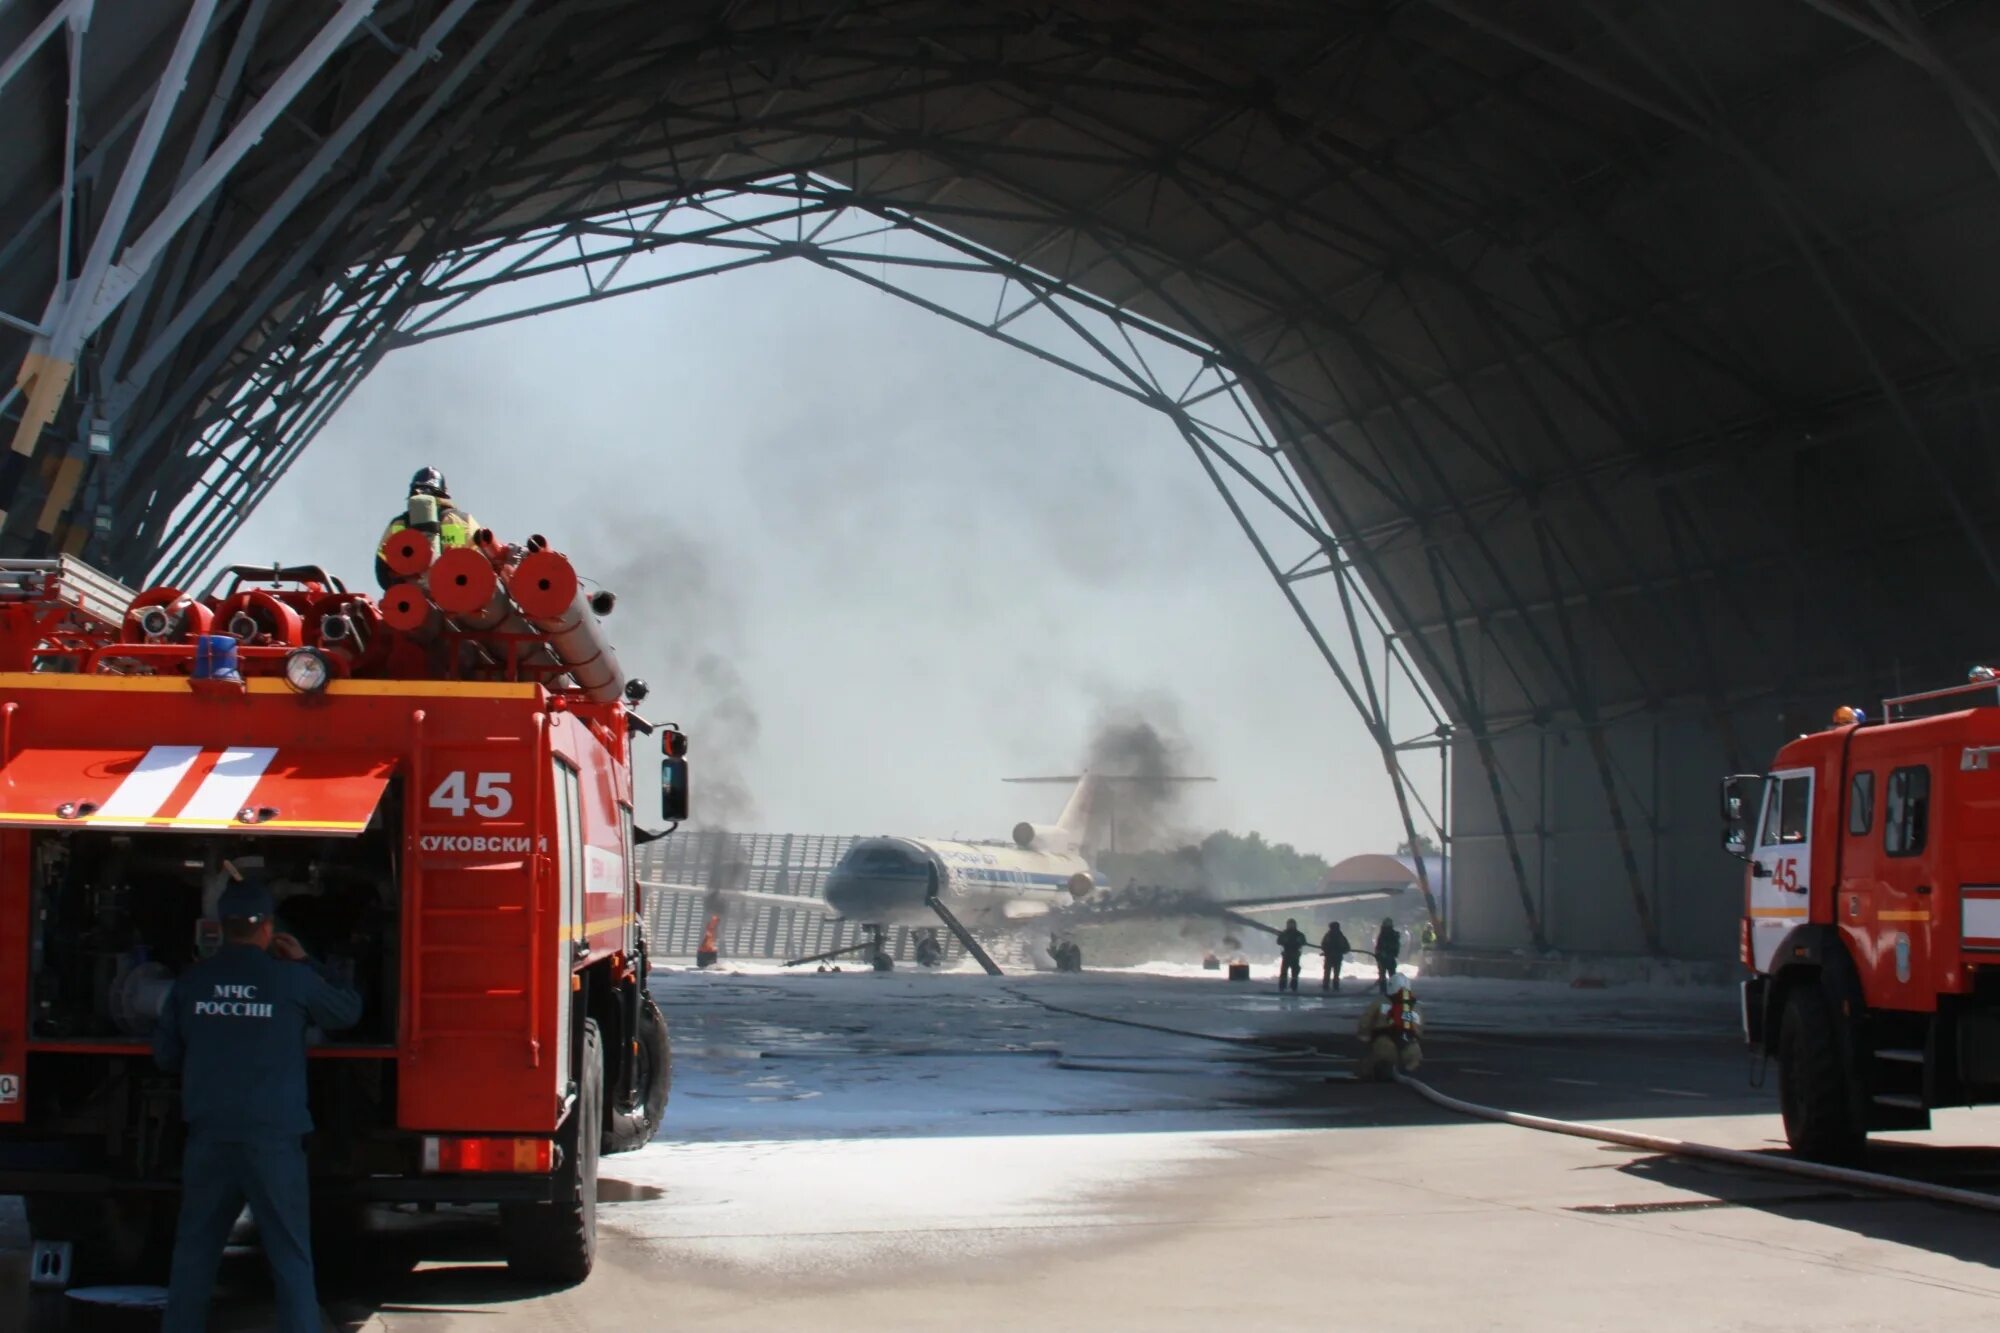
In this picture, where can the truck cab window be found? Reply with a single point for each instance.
(1906, 812)
(1861, 804)
(1787, 811)
(1795, 810)
(1767, 834)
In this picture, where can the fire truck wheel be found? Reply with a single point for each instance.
(1820, 1120)
(557, 1242)
(633, 1126)
(115, 1238)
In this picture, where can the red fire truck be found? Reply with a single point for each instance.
(1872, 915)
(439, 790)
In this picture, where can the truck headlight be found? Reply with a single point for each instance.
(307, 670)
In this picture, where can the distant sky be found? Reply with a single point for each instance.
(885, 560)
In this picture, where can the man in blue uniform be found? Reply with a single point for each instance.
(235, 1028)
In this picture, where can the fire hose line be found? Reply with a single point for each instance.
(1271, 1052)
(1789, 1166)
(1656, 1143)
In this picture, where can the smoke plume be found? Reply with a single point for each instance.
(678, 628)
(1139, 743)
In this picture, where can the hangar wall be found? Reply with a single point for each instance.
(1573, 877)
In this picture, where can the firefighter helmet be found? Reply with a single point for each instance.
(429, 481)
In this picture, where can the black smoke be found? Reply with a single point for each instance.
(678, 626)
(1139, 749)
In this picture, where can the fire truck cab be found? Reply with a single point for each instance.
(1871, 921)
(446, 815)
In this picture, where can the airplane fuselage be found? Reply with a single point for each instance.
(892, 881)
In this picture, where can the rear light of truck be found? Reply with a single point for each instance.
(1743, 949)
(533, 1156)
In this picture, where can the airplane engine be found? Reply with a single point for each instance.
(1043, 838)
(1080, 886)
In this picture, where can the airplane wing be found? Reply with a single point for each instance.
(1322, 898)
(755, 897)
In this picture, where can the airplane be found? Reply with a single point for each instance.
(969, 886)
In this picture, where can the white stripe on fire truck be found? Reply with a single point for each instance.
(227, 789)
(146, 788)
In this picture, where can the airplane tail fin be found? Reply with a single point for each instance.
(1075, 818)
(1074, 821)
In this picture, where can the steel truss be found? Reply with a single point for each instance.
(1369, 258)
(709, 234)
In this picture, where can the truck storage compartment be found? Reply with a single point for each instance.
(118, 915)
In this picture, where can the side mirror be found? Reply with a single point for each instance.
(1736, 814)
(673, 773)
(674, 789)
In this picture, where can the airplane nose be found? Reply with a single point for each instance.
(881, 885)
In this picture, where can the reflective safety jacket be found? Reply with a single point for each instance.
(455, 528)
(235, 1029)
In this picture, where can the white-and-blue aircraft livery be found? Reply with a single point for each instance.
(899, 881)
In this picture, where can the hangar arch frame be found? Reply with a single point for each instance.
(820, 222)
(1568, 320)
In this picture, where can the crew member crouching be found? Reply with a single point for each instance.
(1391, 1033)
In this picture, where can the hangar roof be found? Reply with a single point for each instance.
(1640, 357)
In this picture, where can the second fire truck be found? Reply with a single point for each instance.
(1872, 915)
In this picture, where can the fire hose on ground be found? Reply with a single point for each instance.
(1654, 1143)
(1657, 1143)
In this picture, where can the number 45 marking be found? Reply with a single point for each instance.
(489, 799)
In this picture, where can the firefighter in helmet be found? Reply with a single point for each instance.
(429, 509)
(1391, 1032)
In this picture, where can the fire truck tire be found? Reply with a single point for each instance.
(557, 1242)
(114, 1238)
(1819, 1111)
(632, 1127)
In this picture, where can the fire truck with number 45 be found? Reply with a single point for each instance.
(438, 788)
(1871, 920)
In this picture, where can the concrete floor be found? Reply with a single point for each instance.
(916, 1151)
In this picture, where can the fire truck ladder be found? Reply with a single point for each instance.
(964, 936)
(93, 598)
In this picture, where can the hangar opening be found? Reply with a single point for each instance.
(1634, 369)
